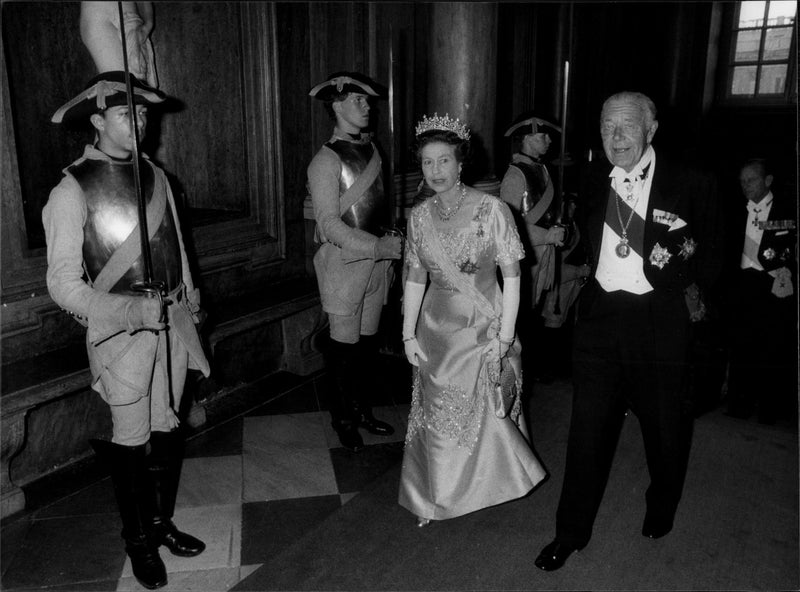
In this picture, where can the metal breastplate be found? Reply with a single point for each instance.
(371, 210)
(112, 214)
(536, 181)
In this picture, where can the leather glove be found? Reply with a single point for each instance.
(144, 312)
(555, 236)
(388, 247)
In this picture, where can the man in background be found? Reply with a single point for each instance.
(761, 300)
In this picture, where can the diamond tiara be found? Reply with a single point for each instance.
(442, 123)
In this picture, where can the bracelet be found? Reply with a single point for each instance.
(407, 339)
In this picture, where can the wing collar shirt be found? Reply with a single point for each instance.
(756, 212)
(615, 273)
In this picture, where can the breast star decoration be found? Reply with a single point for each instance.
(688, 248)
(659, 256)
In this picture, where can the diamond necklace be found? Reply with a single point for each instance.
(447, 213)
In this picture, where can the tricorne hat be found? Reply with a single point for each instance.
(346, 82)
(103, 91)
(530, 125)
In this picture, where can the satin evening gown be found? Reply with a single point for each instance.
(460, 455)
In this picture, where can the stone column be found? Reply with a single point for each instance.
(462, 76)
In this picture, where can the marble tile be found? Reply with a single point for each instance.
(246, 570)
(92, 586)
(270, 527)
(59, 551)
(293, 431)
(346, 497)
(354, 471)
(222, 440)
(14, 534)
(216, 580)
(210, 481)
(302, 399)
(278, 472)
(219, 527)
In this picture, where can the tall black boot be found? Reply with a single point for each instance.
(134, 492)
(342, 364)
(164, 463)
(366, 382)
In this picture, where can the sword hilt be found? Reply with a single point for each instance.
(154, 290)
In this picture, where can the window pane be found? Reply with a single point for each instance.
(772, 80)
(751, 14)
(782, 13)
(744, 81)
(747, 43)
(777, 43)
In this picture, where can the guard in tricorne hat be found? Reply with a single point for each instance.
(528, 189)
(139, 346)
(355, 250)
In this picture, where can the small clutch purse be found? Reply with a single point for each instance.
(505, 389)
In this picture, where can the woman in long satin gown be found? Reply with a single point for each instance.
(467, 446)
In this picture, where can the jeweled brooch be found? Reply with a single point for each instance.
(688, 248)
(659, 256)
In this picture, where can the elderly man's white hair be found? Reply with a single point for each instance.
(644, 102)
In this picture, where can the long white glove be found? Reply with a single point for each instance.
(412, 302)
(505, 337)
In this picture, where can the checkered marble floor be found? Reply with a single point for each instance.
(249, 487)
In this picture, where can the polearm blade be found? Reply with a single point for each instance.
(147, 259)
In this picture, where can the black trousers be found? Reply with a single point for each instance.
(762, 375)
(629, 352)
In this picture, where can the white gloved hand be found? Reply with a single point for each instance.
(414, 352)
(508, 322)
(412, 301)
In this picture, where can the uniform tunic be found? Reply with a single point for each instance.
(139, 374)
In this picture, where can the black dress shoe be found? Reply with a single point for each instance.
(375, 426)
(148, 568)
(179, 543)
(554, 555)
(349, 436)
(655, 528)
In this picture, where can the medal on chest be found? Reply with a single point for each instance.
(623, 249)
